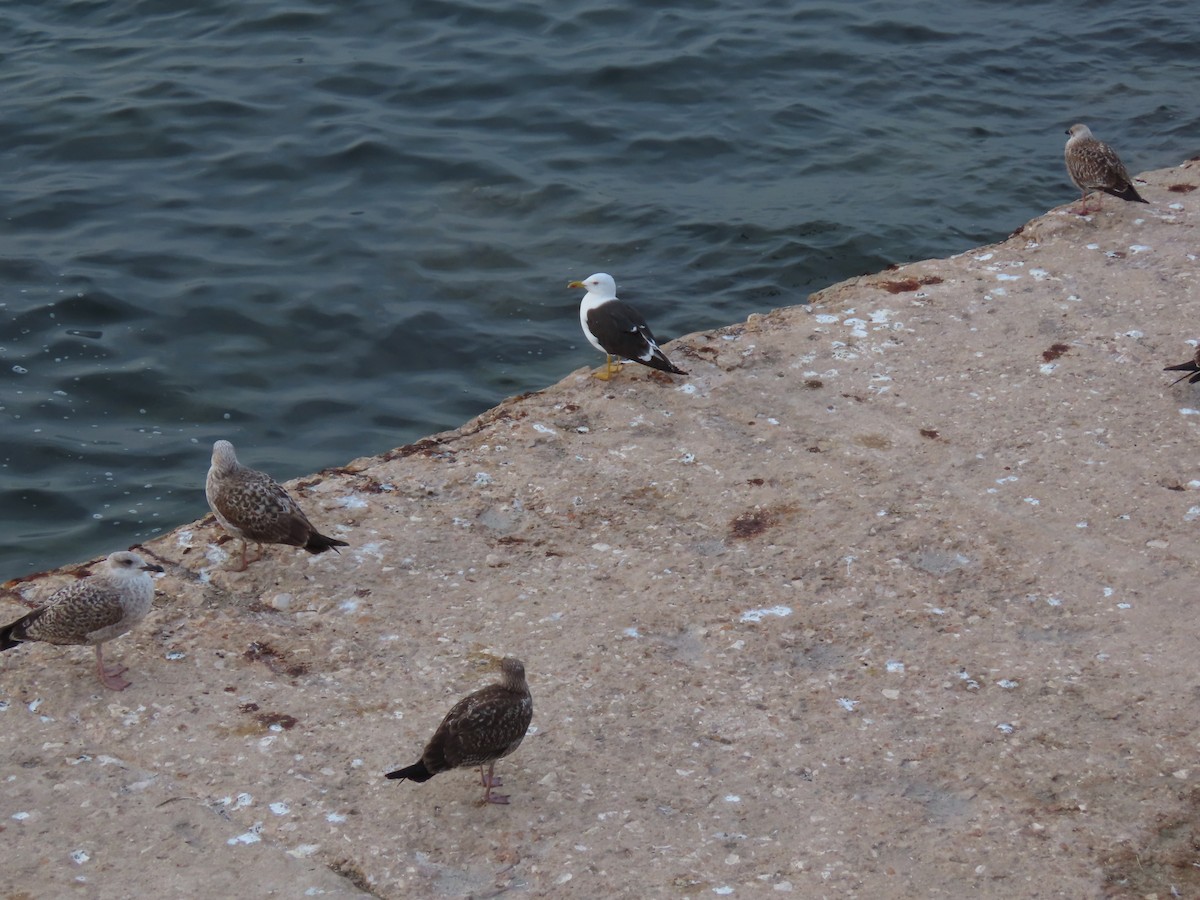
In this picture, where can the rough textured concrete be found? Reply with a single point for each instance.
(891, 597)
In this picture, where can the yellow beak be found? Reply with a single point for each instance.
(576, 284)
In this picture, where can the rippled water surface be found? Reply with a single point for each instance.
(323, 230)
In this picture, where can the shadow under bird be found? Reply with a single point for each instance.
(250, 505)
(1095, 166)
(480, 728)
(1190, 370)
(91, 611)
(616, 329)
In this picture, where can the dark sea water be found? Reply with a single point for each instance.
(323, 230)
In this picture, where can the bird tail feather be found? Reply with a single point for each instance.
(7, 638)
(416, 772)
(659, 361)
(319, 543)
(1190, 370)
(1129, 192)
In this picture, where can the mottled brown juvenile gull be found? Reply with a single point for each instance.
(1190, 370)
(250, 505)
(481, 728)
(616, 329)
(92, 610)
(1095, 166)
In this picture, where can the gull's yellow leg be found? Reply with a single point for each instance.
(609, 369)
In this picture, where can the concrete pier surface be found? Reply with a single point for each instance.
(893, 595)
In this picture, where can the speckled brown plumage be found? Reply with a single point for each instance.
(481, 728)
(250, 505)
(1095, 166)
(91, 611)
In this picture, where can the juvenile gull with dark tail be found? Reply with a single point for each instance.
(1095, 166)
(616, 329)
(250, 505)
(480, 728)
(92, 610)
